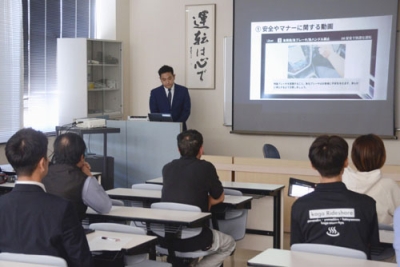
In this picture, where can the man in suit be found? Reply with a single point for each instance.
(37, 222)
(170, 97)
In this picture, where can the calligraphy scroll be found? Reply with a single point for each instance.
(200, 46)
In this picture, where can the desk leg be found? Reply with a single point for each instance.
(214, 222)
(277, 220)
(105, 169)
(152, 253)
(171, 253)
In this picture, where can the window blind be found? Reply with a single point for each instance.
(11, 68)
(44, 22)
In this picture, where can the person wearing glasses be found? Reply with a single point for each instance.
(70, 177)
(34, 221)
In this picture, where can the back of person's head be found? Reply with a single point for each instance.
(68, 149)
(165, 69)
(328, 155)
(368, 153)
(189, 143)
(25, 149)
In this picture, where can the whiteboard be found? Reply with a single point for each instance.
(228, 81)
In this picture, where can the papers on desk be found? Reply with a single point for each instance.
(114, 241)
(7, 169)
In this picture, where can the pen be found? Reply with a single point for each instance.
(110, 239)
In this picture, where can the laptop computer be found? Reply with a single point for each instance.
(160, 117)
(299, 188)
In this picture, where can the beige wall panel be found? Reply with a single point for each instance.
(224, 175)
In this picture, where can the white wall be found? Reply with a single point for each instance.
(106, 19)
(157, 37)
(152, 32)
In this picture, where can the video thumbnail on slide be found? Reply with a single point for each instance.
(320, 59)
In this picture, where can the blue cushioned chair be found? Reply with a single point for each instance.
(270, 151)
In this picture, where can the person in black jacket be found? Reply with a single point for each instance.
(37, 222)
(332, 214)
(70, 177)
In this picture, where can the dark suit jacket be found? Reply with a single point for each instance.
(35, 222)
(180, 109)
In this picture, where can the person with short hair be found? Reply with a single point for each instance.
(332, 214)
(190, 180)
(369, 155)
(170, 97)
(34, 221)
(70, 177)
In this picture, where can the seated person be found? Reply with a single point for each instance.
(368, 155)
(69, 176)
(192, 181)
(332, 214)
(36, 222)
(396, 227)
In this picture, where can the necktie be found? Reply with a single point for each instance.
(169, 97)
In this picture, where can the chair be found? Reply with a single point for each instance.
(185, 233)
(329, 250)
(235, 220)
(130, 260)
(144, 187)
(35, 259)
(270, 151)
(140, 203)
(117, 202)
(384, 251)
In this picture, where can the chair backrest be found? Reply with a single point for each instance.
(144, 187)
(235, 220)
(186, 232)
(329, 250)
(270, 151)
(386, 227)
(147, 186)
(36, 259)
(117, 202)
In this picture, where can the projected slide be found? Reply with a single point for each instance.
(333, 59)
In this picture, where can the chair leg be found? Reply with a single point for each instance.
(182, 262)
(176, 262)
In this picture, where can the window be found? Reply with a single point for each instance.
(43, 22)
(11, 74)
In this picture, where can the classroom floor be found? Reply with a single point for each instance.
(241, 256)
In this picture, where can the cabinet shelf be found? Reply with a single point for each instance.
(91, 71)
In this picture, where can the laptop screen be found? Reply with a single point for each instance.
(160, 117)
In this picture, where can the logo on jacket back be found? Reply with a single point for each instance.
(332, 232)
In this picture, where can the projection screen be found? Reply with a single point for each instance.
(314, 66)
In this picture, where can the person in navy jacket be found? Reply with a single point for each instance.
(36, 222)
(170, 97)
